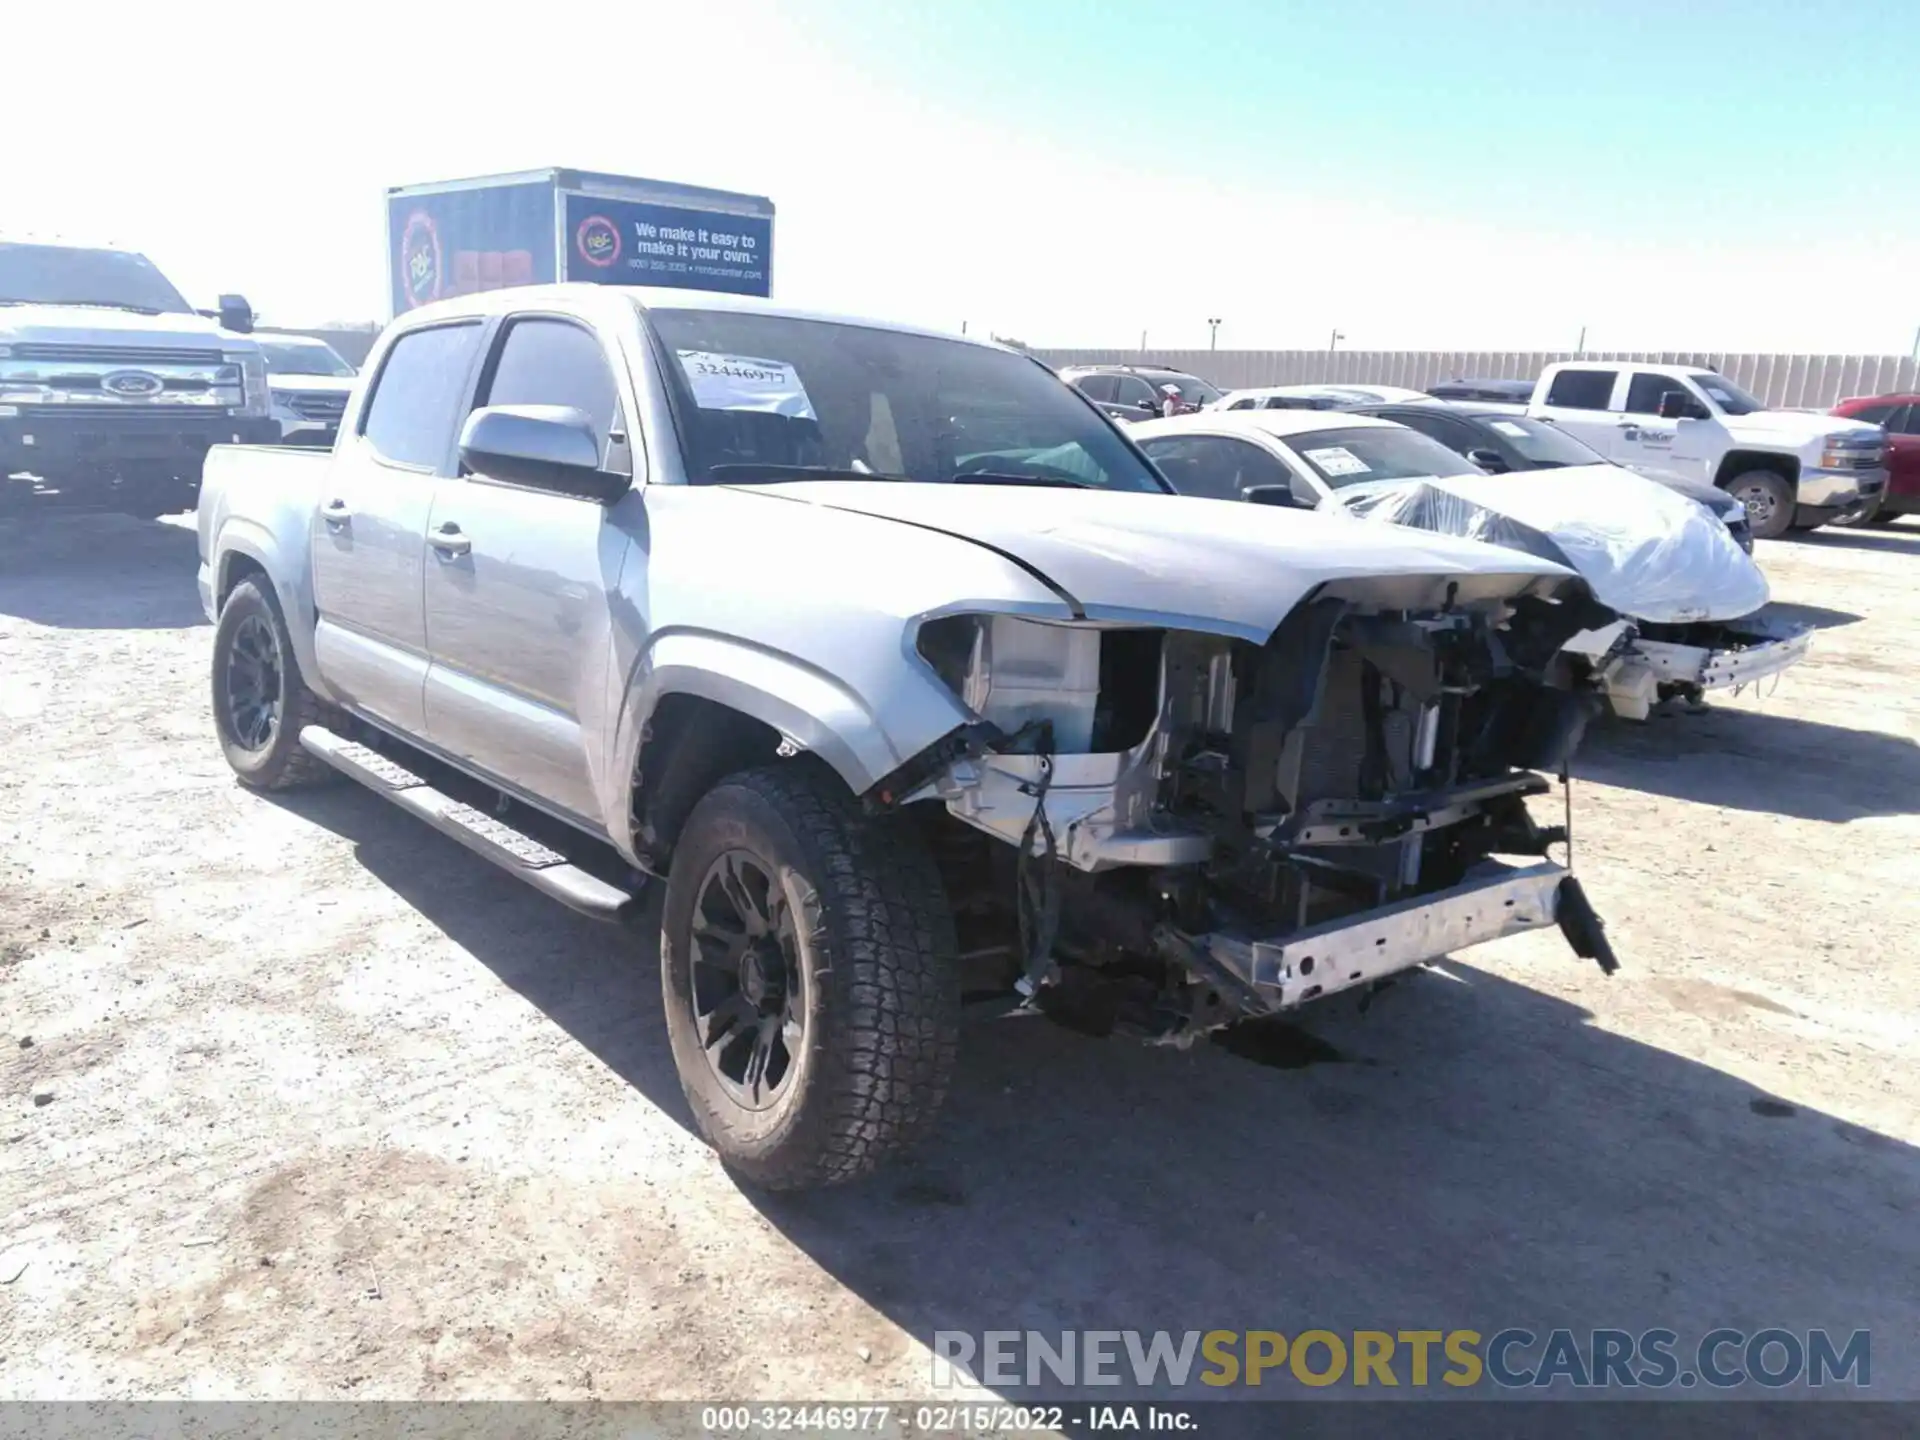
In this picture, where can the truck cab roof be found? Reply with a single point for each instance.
(588, 295)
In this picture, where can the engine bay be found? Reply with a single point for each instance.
(1178, 809)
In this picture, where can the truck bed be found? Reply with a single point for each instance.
(262, 498)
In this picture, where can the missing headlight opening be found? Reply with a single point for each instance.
(1237, 829)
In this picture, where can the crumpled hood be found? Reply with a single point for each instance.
(1179, 561)
(1647, 552)
(85, 325)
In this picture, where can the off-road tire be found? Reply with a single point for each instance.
(1779, 520)
(880, 978)
(281, 763)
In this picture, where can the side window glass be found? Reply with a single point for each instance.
(1133, 391)
(1439, 427)
(1212, 467)
(1097, 387)
(416, 399)
(1645, 390)
(1879, 414)
(554, 362)
(1581, 389)
(1906, 422)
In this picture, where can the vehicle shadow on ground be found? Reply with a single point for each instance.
(1468, 1152)
(99, 572)
(1845, 537)
(598, 982)
(1757, 760)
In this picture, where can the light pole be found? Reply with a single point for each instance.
(1213, 331)
(1337, 338)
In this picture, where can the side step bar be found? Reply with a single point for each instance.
(517, 853)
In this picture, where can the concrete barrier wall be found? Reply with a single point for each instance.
(1789, 381)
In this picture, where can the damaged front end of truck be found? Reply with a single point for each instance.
(1166, 832)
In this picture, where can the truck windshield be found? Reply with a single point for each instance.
(1727, 395)
(774, 397)
(288, 359)
(65, 275)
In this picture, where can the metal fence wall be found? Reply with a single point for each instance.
(1787, 381)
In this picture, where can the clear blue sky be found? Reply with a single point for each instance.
(1465, 175)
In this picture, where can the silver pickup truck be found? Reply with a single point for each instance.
(899, 665)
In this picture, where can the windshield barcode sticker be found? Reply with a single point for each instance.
(1507, 427)
(741, 382)
(1337, 460)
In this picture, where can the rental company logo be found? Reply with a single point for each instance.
(1513, 1359)
(420, 266)
(598, 241)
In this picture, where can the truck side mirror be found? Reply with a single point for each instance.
(1677, 405)
(1268, 495)
(236, 314)
(1490, 461)
(543, 447)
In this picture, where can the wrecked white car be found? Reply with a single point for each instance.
(894, 661)
(1686, 599)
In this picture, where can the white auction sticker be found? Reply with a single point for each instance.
(1338, 460)
(742, 382)
(1507, 427)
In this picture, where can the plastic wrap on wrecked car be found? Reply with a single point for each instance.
(1647, 552)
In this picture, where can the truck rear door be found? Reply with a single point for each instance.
(1584, 401)
(370, 638)
(517, 583)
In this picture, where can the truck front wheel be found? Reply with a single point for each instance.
(260, 703)
(810, 979)
(1769, 502)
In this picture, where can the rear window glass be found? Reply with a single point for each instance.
(1581, 389)
(416, 398)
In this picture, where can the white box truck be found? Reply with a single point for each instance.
(535, 227)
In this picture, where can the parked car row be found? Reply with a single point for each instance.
(1684, 593)
(1790, 469)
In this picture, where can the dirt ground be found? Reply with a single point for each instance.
(303, 1100)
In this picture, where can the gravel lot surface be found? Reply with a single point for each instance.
(300, 1099)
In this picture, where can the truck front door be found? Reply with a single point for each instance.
(517, 585)
(1643, 437)
(370, 638)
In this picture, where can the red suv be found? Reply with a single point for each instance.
(1899, 416)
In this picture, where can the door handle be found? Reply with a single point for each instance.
(336, 512)
(449, 541)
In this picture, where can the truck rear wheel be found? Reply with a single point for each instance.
(260, 703)
(1769, 502)
(810, 978)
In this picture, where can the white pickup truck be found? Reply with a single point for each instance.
(1792, 469)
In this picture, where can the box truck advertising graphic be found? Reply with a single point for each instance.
(456, 237)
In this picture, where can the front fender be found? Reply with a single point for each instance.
(814, 710)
